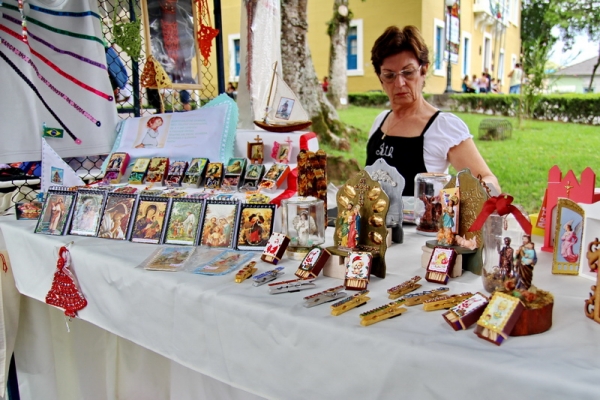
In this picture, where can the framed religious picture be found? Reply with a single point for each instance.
(56, 213)
(184, 220)
(171, 28)
(219, 223)
(149, 221)
(117, 215)
(568, 238)
(358, 270)
(194, 174)
(256, 150)
(214, 174)
(256, 226)
(281, 151)
(28, 210)
(87, 212)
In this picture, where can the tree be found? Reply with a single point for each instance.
(538, 17)
(337, 29)
(581, 17)
(299, 73)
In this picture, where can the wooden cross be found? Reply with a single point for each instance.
(258, 139)
(568, 187)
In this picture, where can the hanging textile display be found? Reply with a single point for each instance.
(154, 76)
(65, 292)
(62, 48)
(128, 36)
(206, 33)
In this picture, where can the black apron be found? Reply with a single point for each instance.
(403, 153)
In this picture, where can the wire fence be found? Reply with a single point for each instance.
(21, 182)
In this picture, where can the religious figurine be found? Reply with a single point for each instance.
(526, 260)
(449, 221)
(350, 226)
(304, 225)
(505, 262)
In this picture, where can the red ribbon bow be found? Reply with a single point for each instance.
(501, 204)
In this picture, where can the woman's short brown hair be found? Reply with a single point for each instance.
(395, 40)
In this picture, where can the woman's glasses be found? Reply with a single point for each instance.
(407, 75)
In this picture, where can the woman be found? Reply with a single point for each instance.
(568, 239)
(466, 85)
(414, 136)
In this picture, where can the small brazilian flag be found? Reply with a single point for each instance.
(53, 133)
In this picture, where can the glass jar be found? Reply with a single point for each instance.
(427, 205)
(503, 240)
(303, 221)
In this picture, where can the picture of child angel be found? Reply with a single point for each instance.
(358, 267)
(150, 134)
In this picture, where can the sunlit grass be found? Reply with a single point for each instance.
(521, 163)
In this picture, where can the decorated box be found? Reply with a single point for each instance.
(499, 318)
(214, 174)
(194, 174)
(275, 177)
(138, 171)
(157, 170)
(465, 314)
(358, 270)
(116, 167)
(313, 263)
(253, 175)
(440, 265)
(275, 248)
(176, 173)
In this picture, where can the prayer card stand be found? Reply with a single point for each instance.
(472, 196)
(582, 192)
(392, 184)
(360, 225)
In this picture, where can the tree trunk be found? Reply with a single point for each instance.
(338, 54)
(299, 73)
(594, 72)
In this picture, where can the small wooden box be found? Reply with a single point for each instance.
(275, 177)
(313, 263)
(275, 248)
(335, 267)
(116, 167)
(157, 170)
(440, 265)
(358, 270)
(499, 318)
(456, 269)
(466, 313)
(138, 172)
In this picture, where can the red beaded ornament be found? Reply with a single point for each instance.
(64, 292)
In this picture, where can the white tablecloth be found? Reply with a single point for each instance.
(270, 345)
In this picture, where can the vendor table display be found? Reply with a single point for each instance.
(194, 324)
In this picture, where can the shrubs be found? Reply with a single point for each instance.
(578, 108)
(373, 99)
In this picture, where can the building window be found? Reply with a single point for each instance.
(234, 57)
(438, 47)
(500, 75)
(466, 60)
(354, 64)
(487, 51)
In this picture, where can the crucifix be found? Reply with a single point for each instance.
(569, 187)
(361, 187)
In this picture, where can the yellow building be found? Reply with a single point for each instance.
(489, 38)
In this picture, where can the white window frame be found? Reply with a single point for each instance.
(468, 51)
(514, 12)
(230, 40)
(360, 70)
(483, 55)
(501, 63)
(438, 23)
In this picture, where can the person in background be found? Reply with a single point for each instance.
(466, 85)
(493, 86)
(483, 83)
(231, 90)
(325, 84)
(486, 73)
(475, 84)
(184, 97)
(414, 136)
(516, 75)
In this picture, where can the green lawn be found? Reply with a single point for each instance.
(521, 163)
